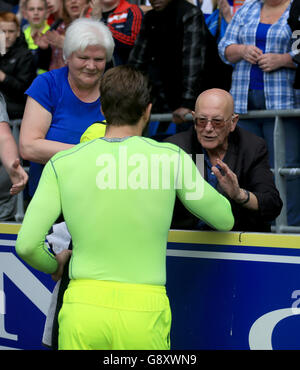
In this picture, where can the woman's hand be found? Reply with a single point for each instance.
(236, 52)
(270, 61)
(18, 177)
(251, 53)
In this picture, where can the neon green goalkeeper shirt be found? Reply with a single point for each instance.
(117, 198)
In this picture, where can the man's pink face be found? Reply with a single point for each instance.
(213, 136)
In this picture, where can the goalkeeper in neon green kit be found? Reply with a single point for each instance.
(117, 196)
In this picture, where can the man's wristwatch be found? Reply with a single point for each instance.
(245, 200)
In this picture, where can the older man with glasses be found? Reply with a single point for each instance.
(235, 163)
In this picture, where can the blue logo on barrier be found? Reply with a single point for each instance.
(24, 300)
(222, 297)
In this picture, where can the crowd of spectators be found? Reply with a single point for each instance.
(243, 47)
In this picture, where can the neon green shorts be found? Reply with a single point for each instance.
(111, 315)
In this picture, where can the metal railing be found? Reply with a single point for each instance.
(280, 171)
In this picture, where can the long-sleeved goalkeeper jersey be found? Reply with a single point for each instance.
(117, 198)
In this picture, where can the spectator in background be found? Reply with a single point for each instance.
(171, 47)
(17, 69)
(124, 20)
(218, 21)
(176, 49)
(258, 42)
(63, 103)
(235, 163)
(54, 38)
(35, 11)
(13, 178)
(20, 13)
(44, 52)
(54, 11)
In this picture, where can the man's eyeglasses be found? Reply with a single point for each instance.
(216, 122)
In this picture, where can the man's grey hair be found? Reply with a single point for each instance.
(84, 32)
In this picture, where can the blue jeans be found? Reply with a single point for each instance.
(264, 127)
